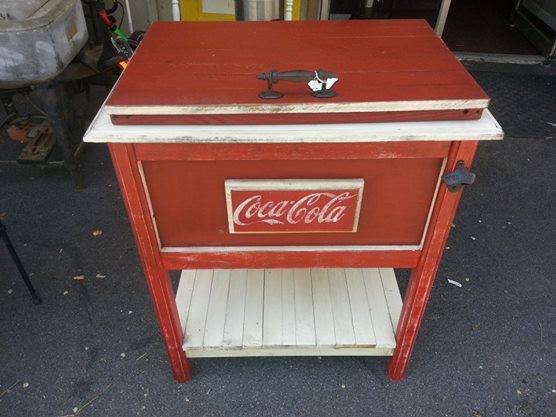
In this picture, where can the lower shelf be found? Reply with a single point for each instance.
(288, 312)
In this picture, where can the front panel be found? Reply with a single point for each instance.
(191, 205)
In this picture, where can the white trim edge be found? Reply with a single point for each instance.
(228, 249)
(256, 108)
(102, 130)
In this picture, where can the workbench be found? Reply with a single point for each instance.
(287, 227)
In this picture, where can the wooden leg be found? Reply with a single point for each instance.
(422, 277)
(162, 295)
(158, 279)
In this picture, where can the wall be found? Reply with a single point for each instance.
(144, 12)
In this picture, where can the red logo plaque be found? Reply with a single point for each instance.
(293, 206)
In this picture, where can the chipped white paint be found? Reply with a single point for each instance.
(257, 108)
(328, 248)
(486, 128)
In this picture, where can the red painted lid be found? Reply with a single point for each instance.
(387, 70)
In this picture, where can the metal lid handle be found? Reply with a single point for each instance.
(321, 76)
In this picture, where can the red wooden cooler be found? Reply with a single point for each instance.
(286, 168)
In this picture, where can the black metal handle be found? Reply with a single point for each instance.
(273, 76)
(459, 177)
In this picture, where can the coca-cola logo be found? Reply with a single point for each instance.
(307, 209)
(286, 208)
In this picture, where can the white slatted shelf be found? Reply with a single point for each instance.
(289, 312)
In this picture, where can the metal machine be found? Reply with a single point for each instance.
(38, 39)
(47, 57)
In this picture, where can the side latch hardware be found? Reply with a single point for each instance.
(458, 178)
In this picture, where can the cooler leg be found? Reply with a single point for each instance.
(163, 298)
(158, 279)
(422, 277)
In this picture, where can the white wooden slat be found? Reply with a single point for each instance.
(392, 294)
(274, 108)
(272, 316)
(288, 308)
(216, 313)
(322, 304)
(485, 128)
(195, 327)
(379, 309)
(304, 314)
(290, 351)
(183, 295)
(360, 312)
(288, 312)
(343, 327)
(254, 308)
(235, 308)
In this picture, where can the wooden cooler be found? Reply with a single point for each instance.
(286, 168)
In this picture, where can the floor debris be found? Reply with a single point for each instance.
(2, 393)
(77, 410)
(457, 284)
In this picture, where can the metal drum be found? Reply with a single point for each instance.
(38, 39)
(261, 9)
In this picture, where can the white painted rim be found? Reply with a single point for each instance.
(337, 248)
(257, 108)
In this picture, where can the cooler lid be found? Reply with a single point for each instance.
(207, 71)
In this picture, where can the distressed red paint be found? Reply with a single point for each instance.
(156, 264)
(159, 182)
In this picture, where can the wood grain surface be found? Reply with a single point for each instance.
(193, 69)
(189, 204)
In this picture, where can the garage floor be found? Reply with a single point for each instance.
(485, 26)
(93, 347)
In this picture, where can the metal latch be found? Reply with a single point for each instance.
(460, 177)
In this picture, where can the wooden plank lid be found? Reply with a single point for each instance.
(206, 73)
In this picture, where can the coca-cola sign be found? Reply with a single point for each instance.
(293, 205)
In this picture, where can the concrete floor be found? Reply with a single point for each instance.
(93, 347)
